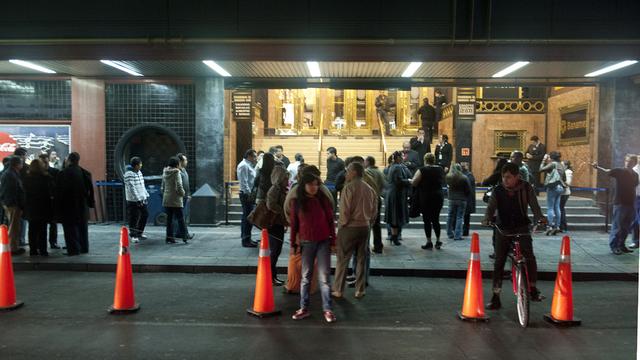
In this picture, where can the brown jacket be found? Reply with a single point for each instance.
(358, 204)
(277, 194)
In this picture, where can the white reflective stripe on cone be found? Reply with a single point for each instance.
(264, 253)
(475, 256)
(565, 259)
(5, 248)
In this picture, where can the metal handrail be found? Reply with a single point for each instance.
(320, 138)
(383, 140)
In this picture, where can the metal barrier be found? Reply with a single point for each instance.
(227, 198)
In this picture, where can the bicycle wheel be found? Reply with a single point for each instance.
(522, 295)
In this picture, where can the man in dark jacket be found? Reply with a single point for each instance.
(420, 144)
(535, 153)
(444, 152)
(74, 196)
(12, 199)
(471, 200)
(410, 158)
(53, 226)
(428, 116)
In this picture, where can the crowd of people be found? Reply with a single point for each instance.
(41, 194)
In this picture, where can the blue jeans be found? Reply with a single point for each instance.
(320, 251)
(636, 222)
(245, 225)
(553, 205)
(456, 218)
(623, 216)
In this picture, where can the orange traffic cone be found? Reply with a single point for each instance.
(562, 304)
(124, 301)
(263, 304)
(7, 286)
(473, 304)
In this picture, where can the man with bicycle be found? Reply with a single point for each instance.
(508, 208)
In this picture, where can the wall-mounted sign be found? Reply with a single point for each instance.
(465, 151)
(241, 102)
(466, 109)
(573, 128)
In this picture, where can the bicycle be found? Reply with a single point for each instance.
(519, 274)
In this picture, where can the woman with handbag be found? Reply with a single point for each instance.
(275, 204)
(554, 184)
(313, 234)
(429, 181)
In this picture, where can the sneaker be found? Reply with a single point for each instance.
(535, 295)
(301, 314)
(135, 240)
(427, 246)
(438, 244)
(494, 304)
(624, 249)
(633, 246)
(351, 284)
(351, 278)
(329, 316)
(617, 252)
(143, 237)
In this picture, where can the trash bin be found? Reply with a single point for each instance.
(203, 206)
(154, 203)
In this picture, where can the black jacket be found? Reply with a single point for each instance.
(11, 189)
(74, 195)
(420, 147)
(412, 162)
(446, 151)
(427, 115)
(39, 191)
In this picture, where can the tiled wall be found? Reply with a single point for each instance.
(129, 105)
(35, 100)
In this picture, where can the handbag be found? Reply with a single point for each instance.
(261, 216)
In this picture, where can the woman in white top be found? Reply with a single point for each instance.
(565, 196)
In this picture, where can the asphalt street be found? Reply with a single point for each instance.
(203, 316)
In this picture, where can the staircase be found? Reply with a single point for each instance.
(582, 214)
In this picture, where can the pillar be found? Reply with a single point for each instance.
(209, 104)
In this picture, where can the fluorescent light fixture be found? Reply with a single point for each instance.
(33, 66)
(411, 69)
(314, 68)
(121, 66)
(511, 68)
(217, 68)
(613, 67)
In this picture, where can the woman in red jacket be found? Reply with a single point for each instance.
(313, 234)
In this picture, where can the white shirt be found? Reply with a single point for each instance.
(246, 174)
(637, 170)
(569, 174)
(293, 171)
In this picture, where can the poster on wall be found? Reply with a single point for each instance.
(574, 125)
(37, 139)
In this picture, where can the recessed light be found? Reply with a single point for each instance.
(217, 68)
(121, 66)
(411, 69)
(511, 68)
(314, 68)
(32, 66)
(611, 68)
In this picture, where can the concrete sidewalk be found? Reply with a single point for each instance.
(218, 250)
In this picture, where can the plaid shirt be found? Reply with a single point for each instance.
(134, 186)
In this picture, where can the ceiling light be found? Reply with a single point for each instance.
(510, 69)
(32, 66)
(217, 68)
(314, 68)
(411, 69)
(121, 66)
(613, 67)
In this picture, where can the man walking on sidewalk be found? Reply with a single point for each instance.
(358, 209)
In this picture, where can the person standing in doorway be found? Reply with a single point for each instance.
(137, 196)
(53, 226)
(186, 199)
(74, 196)
(626, 181)
(428, 117)
(535, 153)
(246, 175)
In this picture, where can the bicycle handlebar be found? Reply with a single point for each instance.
(533, 229)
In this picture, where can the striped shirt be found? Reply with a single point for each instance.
(134, 186)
